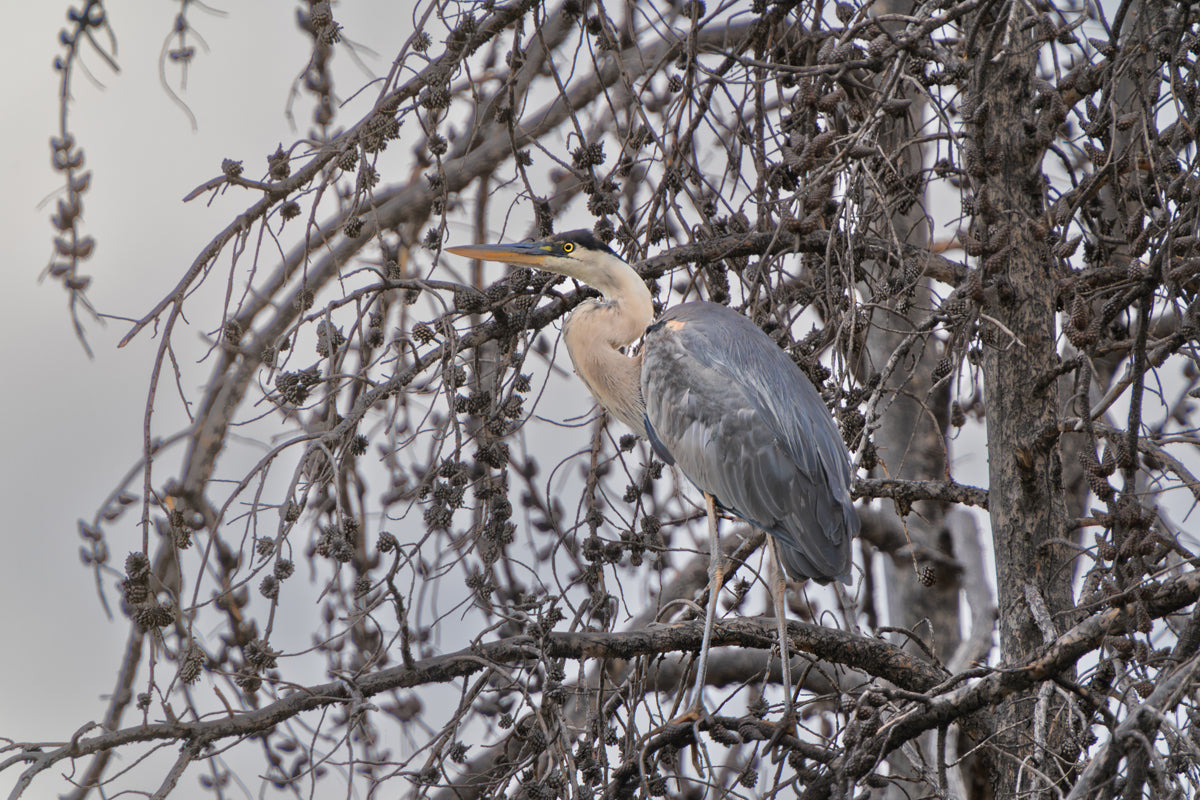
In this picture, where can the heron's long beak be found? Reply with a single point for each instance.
(531, 253)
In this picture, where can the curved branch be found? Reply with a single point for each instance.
(873, 656)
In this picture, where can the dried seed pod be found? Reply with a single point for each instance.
(278, 164)
(1124, 456)
(1121, 645)
(1105, 549)
(1081, 312)
(269, 588)
(1108, 464)
(957, 417)
(992, 155)
(1144, 624)
(1087, 460)
(971, 246)
(588, 155)
(1103, 47)
(137, 566)
(974, 286)
(1099, 486)
(1085, 338)
(329, 339)
(994, 264)
(191, 663)
(469, 300)
(983, 203)
(136, 592)
(829, 102)
(988, 335)
(808, 92)
(954, 307)
(723, 736)
(422, 333)
(820, 143)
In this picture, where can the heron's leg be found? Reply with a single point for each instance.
(716, 577)
(778, 589)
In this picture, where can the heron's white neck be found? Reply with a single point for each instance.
(626, 293)
(595, 333)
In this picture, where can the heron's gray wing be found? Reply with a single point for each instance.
(743, 423)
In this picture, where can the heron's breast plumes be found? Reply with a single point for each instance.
(594, 335)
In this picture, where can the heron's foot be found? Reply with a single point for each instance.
(695, 714)
(695, 717)
(787, 726)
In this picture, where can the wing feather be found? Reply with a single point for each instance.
(729, 408)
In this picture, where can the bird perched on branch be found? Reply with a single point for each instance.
(721, 402)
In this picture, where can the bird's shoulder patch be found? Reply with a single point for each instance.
(669, 324)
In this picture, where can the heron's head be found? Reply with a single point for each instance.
(597, 330)
(577, 254)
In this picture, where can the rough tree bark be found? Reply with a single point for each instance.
(1026, 498)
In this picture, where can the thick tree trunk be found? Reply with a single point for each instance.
(1026, 497)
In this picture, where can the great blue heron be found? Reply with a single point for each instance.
(720, 401)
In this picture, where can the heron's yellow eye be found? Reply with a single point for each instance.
(568, 247)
